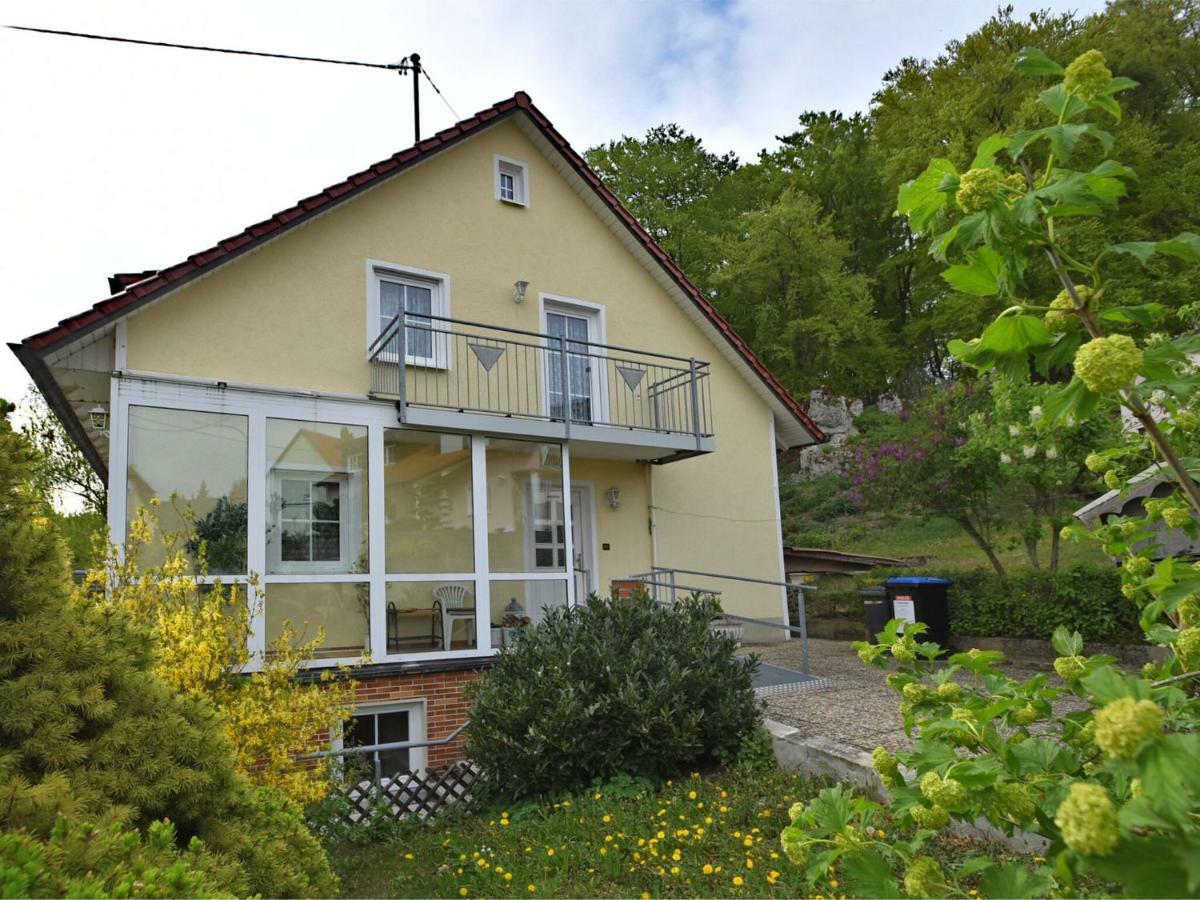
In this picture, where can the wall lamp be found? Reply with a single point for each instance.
(98, 416)
(613, 496)
(519, 289)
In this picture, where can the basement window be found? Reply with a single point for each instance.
(512, 181)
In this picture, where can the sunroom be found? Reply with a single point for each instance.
(401, 544)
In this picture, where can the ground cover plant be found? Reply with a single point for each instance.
(715, 835)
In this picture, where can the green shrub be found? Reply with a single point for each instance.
(1032, 603)
(84, 860)
(616, 686)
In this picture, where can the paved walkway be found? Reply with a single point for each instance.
(860, 710)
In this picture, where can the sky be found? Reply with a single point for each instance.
(124, 158)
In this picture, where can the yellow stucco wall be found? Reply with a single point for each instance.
(293, 314)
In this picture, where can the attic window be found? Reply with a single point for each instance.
(512, 181)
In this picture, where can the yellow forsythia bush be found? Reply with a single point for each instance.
(202, 649)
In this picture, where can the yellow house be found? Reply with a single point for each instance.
(446, 394)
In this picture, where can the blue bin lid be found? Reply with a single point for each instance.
(918, 579)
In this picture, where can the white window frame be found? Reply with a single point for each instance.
(348, 514)
(262, 402)
(439, 285)
(417, 756)
(507, 165)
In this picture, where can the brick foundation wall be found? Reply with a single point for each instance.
(445, 706)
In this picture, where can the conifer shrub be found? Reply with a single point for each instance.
(88, 732)
(85, 860)
(611, 687)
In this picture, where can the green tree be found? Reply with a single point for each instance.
(785, 287)
(62, 469)
(679, 190)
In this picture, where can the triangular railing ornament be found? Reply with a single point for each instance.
(631, 377)
(486, 355)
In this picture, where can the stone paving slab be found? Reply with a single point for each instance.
(860, 710)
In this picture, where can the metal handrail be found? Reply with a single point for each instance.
(379, 748)
(585, 384)
(391, 327)
(658, 572)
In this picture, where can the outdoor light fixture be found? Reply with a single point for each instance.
(99, 418)
(519, 289)
(613, 496)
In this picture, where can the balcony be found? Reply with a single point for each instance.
(606, 400)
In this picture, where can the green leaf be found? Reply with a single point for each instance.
(1147, 867)
(1112, 168)
(1063, 105)
(1185, 246)
(985, 156)
(1067, 643)
(1073, 402)
(1169, 770)
(1032, 61)
(1021, 140)
(1037, 755)
(1118, 84)
(1015, 880)
(1015, 334)
(869, 874)
(1143, 250)
(920, 199)
(983, 276)
(1108, 104)
(1109, 684)
(1145, 314)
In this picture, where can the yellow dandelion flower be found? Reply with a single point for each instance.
(462, 892)
(603, 851)
(748, 841)
(608, 839)
(708, 820)
(595, 796)
(549, 851)
(708, 869)
(749, 864)
(833, 882)
(606, 818)
(408, 856)
(504, 823)
(531, 887)
(645, 895)
(691, 795)
(738, 881)
(508, 876)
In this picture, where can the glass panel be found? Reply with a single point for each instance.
(427, 502)
(419, 339)
(343, 610)
(522, 476)
(517, 605)
(389, 302)
(316, 497)
(391, 728)
(424, 616)
(575, 329)
(195, 463)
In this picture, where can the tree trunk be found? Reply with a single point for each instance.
(1031, 548)
(969, 527)
(1055, 540)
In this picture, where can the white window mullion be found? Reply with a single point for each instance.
(256, 530)
(118, 468)
(377, 542)
(479, 522)
(568, 538)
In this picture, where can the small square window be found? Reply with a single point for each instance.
(512, 181)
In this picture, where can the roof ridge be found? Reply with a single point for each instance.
(196, 264)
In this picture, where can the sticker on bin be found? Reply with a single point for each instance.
(904, 609)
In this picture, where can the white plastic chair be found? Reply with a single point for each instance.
(452, 601)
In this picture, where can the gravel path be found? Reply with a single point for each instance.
(860, 710)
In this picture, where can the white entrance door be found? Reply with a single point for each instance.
(548, 540)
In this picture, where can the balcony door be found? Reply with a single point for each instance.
(547, 542)
(579, 393)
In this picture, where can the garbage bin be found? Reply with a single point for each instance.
(877, 608)
(916, 598)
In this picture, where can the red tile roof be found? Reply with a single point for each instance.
(150, 285)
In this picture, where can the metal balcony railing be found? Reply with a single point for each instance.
(455, 365)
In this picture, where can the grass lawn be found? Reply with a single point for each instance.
(696, 837)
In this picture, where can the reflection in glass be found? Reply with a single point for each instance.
(316, 497)
(426, 616)
(526, 531)
(195, 463)
(521, 604)
(427, 502)
(343, 610)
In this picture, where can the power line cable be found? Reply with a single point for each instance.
(402, 66)
(438, 91)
